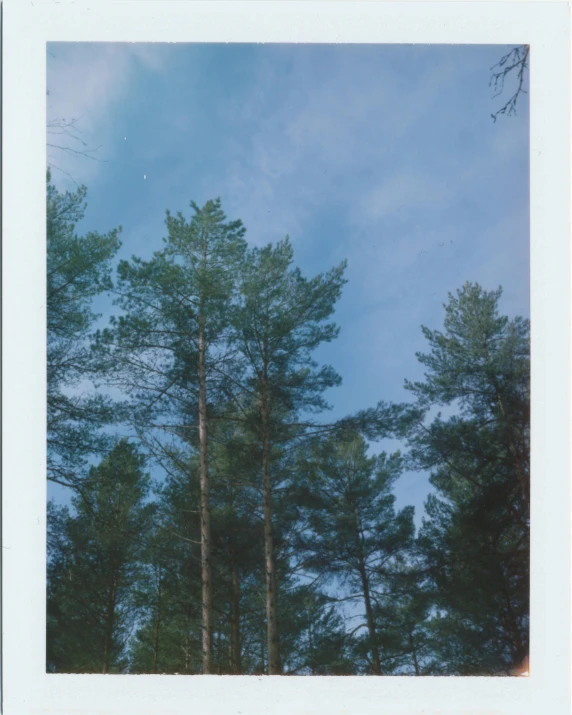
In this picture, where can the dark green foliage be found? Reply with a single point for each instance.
(475, 542)
(404, 612)
(314, 639)
(78, 269)
(168, 350)
(281, 320)
(354, 535)
(94, 563)
(168, 596)
(168, 637)
(151, 349)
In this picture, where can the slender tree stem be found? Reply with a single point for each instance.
(274, 665)
(205, 507)
(368, 609)
(235, 619)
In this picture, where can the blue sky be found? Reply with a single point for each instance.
(382, 154)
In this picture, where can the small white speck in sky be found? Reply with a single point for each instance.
(144, 176)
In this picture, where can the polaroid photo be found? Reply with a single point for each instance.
(286, 357)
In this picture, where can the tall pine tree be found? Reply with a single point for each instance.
(281, 320)
(476, 540)
(169, 348)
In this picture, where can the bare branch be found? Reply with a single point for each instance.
(515, 61)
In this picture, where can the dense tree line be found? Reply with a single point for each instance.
(220, 523)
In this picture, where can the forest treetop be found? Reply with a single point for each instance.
(268, 519)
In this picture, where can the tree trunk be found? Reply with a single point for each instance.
(511, 626)
(519, 462)
(370, 622)
(109, 623)
(205, 510)
(218, 654)
(274, 666)
(311, 646)
(262, 658)
(157, 627)
(414, 652)
(187, 646)
(235, 620)
(368, 608)
(156, 644)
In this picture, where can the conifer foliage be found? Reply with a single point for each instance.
(78, 270)
(475, 543)
(268, 541)
(95, 558)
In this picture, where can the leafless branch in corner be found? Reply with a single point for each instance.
(64, 136)
(513, 63)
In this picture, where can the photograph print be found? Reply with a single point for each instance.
(288, 427)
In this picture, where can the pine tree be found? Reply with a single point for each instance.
(280, 321)
(313, 634)
(475, 542)
(404, 613)
(169, 596)
(169, 348)
(355, 536)
(168, 638)
(78, 269)
(237, 540)
(93, 564)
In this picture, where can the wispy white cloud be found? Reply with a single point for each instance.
(331, 133)
(87, 84)
(399, 193)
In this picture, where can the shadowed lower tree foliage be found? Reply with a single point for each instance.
(314, 639)
(168, 594)
(168, 636)
(355, 536)
(78, 269)
(93, 566)
(475, 540)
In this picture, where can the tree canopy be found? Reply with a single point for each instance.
(219, 523)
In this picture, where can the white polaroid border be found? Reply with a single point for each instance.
(27, 26)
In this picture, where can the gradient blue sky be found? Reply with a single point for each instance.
(382, 154)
